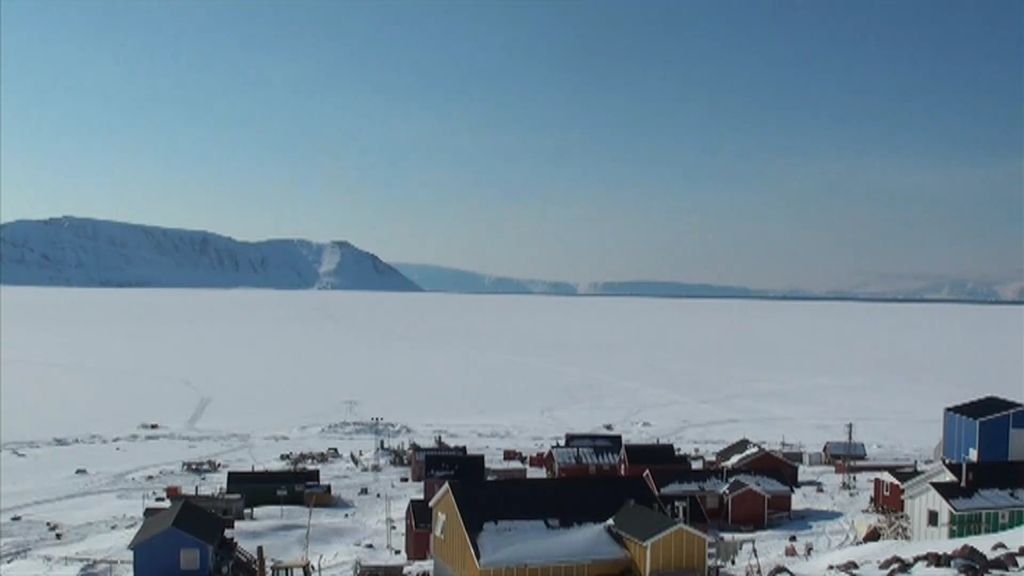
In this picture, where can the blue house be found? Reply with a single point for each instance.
(989, 429)
(181, 540)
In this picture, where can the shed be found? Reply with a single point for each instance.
(183, 539)
(888, 490)
(417, 530)
(989, 429)
(658, 544)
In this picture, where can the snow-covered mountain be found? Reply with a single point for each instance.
(444, 279)
(72, 251)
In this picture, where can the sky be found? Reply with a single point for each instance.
(809, 144)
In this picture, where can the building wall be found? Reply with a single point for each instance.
(780, 504)
(748, 508)
(161, 555)
(1017, 436)
(994, 439)
(452, 548)
(959, 436)
(891, 502)
(680, 551)
(417, 542)
(987, 522)
(917, 508)
(637, 554)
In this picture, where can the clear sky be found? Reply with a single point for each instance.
(814, 144)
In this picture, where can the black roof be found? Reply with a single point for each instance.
(737, 447)
(985, 407)
(421, 517)
(272, 477)
(641, 523)
(990, 474)
(902, 476)
(464, 467)
(600, 442)
(185, 516)
(651, 454)
(952, 491)
(562, 501)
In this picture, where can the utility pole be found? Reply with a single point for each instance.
(847, 483)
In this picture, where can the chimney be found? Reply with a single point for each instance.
(963, 474)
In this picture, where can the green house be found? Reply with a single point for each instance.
(981, 511)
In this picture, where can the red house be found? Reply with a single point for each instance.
(888, 490)
(417, 530)
(742, 501)
(758, 461)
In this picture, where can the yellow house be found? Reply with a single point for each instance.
(658, 544)
(558, 527)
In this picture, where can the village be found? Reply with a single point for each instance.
(596, 504)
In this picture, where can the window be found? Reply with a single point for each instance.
(1004, 517)
(439, 525)
(885, 488)
(189, 558)
(933, 518)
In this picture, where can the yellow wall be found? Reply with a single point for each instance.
(677, 551)
(454, 549)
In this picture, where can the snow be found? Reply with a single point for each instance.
(565, 455)
(737, 458)
(766, 485)
(532, 543)
(84, 252)
(243, 376)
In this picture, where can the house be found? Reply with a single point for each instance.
(658, 544)
(227, 506)
(546, 527)
(585, 455)
(834, 452)
(758, 461)
(441, 468)
(738, 501)
(888, 490)
(989, 429)
(953, 500)
(417, 530)
(272, 487)
(419, 454)
(182, 539)
(638, 458)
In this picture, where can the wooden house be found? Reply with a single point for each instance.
(839, 451)
(272, 487)
(417, 530)
(758, 461)
(536, 527)
(639, 458)
(658, 544)
(953, 500)
(887, 493)
(724, 501)
(182, 539)
(586, 455)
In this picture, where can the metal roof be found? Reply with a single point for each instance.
(985, 407)
(847, 449)
(641, 523)
(184, 516)
(569, 456)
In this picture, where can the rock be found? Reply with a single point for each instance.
(892, 561)
(997, 564)
(872, 535)
(1011, 560)
(971, 554)
(779, 570)
(848, 566)
(998, 546)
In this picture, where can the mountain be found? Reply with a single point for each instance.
(72, 251)
(443, 279)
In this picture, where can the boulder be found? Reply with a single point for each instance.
(780, 570)
(891, 562)
(971, 554)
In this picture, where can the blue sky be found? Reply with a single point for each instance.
(815, 144)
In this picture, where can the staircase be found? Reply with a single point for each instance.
(244, 563)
